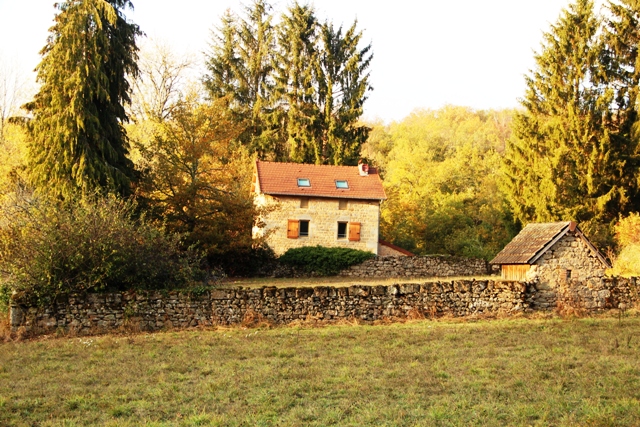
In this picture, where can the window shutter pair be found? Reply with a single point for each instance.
(293, 229)
(354, 231)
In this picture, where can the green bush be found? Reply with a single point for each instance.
(50, 248)
(323, 261)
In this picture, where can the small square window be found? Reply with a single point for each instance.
(342, 184)
(304, 182)
(304, 202)
(342, 230)
(304, 228)
(343, 204)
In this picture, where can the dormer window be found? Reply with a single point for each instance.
(344, 185)
(304, 182)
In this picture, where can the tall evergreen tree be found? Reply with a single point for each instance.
(300, 86)
(343, 83)
(78, 139)
(621, 75)
(296, 75)
(240, 67)
(223, 61)
(564, 161)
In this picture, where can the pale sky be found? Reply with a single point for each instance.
(427, 53)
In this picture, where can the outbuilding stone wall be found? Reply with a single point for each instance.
(570, 253)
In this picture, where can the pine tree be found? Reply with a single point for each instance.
(78, 139)
(343, 83)
(300, 86)
(296, 75)
(564, 162)
(223, 61)
(621, 75)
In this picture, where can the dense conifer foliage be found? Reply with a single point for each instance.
(574, 154)
(300, 85)
(78, 140)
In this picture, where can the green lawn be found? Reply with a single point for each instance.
(501, 372)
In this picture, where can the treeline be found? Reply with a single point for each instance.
(121, 157)
(463, 181)
(441, 171)
(111, 124)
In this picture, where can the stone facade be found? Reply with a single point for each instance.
(323, 215)
(156, 310)
(569, 260)
(419, 266)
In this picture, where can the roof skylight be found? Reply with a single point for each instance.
(304, 182)
(343, 184)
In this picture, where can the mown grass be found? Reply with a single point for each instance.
(423, 373)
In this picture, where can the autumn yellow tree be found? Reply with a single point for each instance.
(441, 169)
(197, 177)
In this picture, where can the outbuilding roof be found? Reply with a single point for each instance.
(282, 179)
(536, 239)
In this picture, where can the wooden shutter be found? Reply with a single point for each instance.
(292, 229)
(354, 231)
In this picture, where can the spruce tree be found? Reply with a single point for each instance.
(299, 87)
(223, 61)
(343, 83)
(296, 76)
(621, 75)
(564, 162)
(78, 140)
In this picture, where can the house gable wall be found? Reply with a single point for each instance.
(323, 215)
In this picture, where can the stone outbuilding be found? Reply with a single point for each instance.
(309, 205)
(550, 253)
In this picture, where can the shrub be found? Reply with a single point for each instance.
(627, 230)
(245, 261)
(50, 248)
(323, 261)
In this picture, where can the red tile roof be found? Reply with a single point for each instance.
(281, 179)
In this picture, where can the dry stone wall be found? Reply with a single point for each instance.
(156, 310)
(419, 266)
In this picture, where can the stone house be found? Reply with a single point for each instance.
(552, 255)
(309, 205)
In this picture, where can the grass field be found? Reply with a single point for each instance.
(500, 372)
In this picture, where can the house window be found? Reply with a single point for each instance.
(297, 228)
(343, 204)
(304, 228)
(342, 184)
(304, 182)
(568, 274)
(342, 230)
(304, 202)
